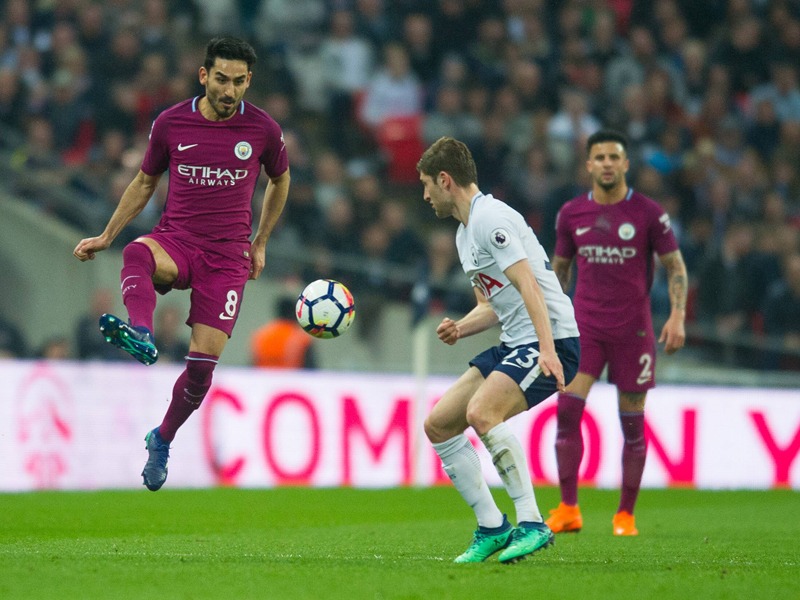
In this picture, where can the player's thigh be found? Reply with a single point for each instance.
(498, 399)
(218, 285)
(448, 417)
(632, 364)
(207, 340)
(594, 355)
(166, 268)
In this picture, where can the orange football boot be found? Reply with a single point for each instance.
(625, 524)
(565, 519)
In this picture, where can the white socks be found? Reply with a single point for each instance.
(509, 460)
(462, 465)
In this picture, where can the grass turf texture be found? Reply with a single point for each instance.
(400, 543)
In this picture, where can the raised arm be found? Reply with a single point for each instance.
(134, 199)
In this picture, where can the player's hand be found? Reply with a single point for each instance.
(257, 261)
(551, 366)
(88, 247)
(673, 334)
(448, 331)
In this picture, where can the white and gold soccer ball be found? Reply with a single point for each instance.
(325, 309)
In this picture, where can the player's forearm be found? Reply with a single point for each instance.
(274, 202)
(479, 319)
(540, 317)
(134, 199)
(677, 280)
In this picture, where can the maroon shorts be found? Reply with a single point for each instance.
(217, 281)
(631, 363)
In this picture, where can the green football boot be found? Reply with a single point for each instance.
(485, 542)
(526, 539)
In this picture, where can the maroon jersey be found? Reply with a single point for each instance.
(614, 247)
(213, 169)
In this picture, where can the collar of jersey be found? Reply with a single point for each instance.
(627, 196)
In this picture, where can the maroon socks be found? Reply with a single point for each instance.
(188, 392)
(634, 452)
(569, 445)
(138, 292)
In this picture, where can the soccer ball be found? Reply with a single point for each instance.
(325, 309)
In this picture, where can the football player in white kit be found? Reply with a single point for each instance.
(537, 356)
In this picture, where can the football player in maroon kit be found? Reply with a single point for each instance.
(214, 147)
(612, 233)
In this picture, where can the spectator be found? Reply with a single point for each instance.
(742, 50)
(339, 233)
(12, 342)
(487, 53)
(331, 179)
(782, 90)
(12, 98)
(347, 63)
(419, 42)
(782, 317)
(374, 22)
(764, 129)
(633, 66)
(448, 117)
(726, 287)
(55, 348)
(281, 343)
(367, 195)
(441, 279)
(569, 128)
(405, 247)
(533, 184)
(394, 91)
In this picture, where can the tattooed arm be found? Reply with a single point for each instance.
(674, 333)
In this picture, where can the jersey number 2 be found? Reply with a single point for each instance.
(646, 360)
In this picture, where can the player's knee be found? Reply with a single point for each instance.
(433, 430)
(137, 253)
(479, 419)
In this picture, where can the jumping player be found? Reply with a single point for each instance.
(539, 351)
(612, 232)
(214, 147)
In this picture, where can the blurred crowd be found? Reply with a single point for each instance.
(707, 92)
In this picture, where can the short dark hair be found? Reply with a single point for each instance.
(451, 156)
(229, 48)
(606, 135)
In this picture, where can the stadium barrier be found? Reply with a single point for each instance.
(81, 426)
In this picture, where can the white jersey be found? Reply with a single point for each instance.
(495, 238)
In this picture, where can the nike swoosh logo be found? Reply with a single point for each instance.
(225, 317)
(581, 230)
(181, 147)
(122, 285)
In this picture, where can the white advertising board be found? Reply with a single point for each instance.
(81, 426)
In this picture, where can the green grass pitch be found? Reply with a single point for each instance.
(399, 543)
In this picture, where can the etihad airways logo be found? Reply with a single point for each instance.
(210, 176)
(607, 255)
